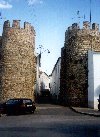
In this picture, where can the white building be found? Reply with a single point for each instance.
(37, 87)
(93, 79)
(44, 81)
(55, 79)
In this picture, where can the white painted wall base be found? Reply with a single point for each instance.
(93, 79)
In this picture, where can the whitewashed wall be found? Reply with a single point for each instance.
(93, 79)
(55, 79)
(90, 80)
(44, 81)
(37, 90)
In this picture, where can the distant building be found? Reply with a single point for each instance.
(55, 80)
(44, 82)
(74, 62)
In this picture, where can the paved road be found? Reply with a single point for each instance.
(50, 121)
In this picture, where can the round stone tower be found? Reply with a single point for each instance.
(74, 66)
(17, 61)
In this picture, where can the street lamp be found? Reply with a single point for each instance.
(41, 52)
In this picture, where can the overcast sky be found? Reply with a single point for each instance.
(50, 19)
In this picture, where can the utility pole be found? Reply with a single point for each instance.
(90, 22)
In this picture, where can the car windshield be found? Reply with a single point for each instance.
(27, 101)
(12, 101)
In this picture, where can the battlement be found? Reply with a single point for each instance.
(87, 29)
(27, 25)
(95, 26)
(6, 24)
(16, 25)
(75, 26)
(86, 26)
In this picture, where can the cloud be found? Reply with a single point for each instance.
(33, 2)
(5, 5)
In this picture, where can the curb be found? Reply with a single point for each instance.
(90, 114)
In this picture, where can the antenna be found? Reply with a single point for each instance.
(90, 13)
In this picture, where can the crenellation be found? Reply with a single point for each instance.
(69, 28)
(33, 30)
(86, 30)
(75, 26)
(27, 26)
(95, 26)
(16, 27)
(16, 24)
(6, 24)
(86, 25)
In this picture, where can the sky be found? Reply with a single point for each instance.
(50, 19)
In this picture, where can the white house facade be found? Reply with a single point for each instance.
(55, 79)
(44, 81)
(93, 79)
(37, 84)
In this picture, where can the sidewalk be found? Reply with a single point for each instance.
(86, 111)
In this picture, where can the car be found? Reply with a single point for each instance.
(18, 106)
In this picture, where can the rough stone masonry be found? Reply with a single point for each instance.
(74, 65)
(17, 61)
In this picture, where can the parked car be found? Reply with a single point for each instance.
(18, 106)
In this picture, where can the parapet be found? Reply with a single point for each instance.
(72, 30)
(16, 24)
(95, 26)
(75, 26)
(6, 24)
(33, 30)
(86, 25)
(27, 25)
(69, 28)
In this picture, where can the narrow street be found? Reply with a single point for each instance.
(52, 121)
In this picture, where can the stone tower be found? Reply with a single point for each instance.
(74, 66)
(17, 61)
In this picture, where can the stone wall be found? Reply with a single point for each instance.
(62, 96)
(17, 61)
(77, 43)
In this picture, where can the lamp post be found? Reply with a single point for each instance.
(41, 52)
